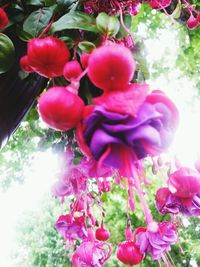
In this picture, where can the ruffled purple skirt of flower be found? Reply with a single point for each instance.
(147, 134)
(166, 202)
(159, 242)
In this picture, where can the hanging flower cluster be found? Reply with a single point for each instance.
(126, 124)
(114, 132)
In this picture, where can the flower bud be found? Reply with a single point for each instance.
(111, 67)
(128, 253)
(60, 109)
(102, 234)
(3, 19)
(48, 56)
(72, 70)
(192, 22)
(84, 60)
(24, 64)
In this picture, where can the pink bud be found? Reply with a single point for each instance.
(84, 60)
(128, 253)
(102, 234)
(192, 22)
(104, 185)
(198, 17)
(24, 64)
(60, 109)
(111, 67)
(72, 70)
(48, 56)
(3, 19)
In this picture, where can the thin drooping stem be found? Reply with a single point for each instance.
(147, 213)
(46, 29)
(122, 20)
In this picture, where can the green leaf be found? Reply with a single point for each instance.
(75, 20)
(50, 2)
(68, 41)
(86, 46)
(107, 25)
(127, 21)
(7, 53)
(37, 21)
(24, 36)
(177, 11)
(65, 4)
(35, 2)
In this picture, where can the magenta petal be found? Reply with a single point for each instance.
(184, 183)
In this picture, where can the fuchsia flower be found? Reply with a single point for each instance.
(3, 19)
(166, 202)
(110, 134)
(159, 4)
(71, 227)
(72, 179)
(91, 253)
(128, 252)
(47, 56)
(157, 239)
(126, 101)
(183, 194)
(112, 7)
(184, 183)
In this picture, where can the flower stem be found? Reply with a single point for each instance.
(46, 29)
(143, 202)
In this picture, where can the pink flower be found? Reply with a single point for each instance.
(159, 4)
(127, 251)
(91, 253)
(112, 7)
(3, 19)
(125, 102)
(47, 56)
(166, 202)
(185, 184)
(72, 179)
(71, 227)
(157, 239)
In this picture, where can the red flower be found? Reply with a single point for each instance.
(48, 56)
(3, 19)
